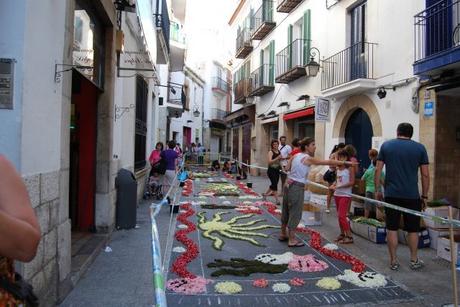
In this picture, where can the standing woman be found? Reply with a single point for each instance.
(155, 157)
(293, 196)
(170, 156)
(273, 172)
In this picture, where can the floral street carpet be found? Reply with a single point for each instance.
(226, 252)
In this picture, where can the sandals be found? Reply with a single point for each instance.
(417, 264)
(282, 239)
(339, 238)
(346, 240)
(298, 244)
(394, 266)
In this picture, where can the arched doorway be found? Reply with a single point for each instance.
(358, 132)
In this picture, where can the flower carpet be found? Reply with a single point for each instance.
(226, 252)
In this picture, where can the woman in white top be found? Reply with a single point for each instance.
(293, 196)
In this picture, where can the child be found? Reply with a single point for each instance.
(342, 190)
(368, 177)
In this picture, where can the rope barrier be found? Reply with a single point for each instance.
(157, 267)
(434, 218)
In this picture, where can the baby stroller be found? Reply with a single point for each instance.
(154, 189)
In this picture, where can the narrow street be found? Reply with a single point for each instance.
(123, 277)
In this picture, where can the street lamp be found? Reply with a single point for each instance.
(312, 67)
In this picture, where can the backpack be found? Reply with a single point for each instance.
(160, 167)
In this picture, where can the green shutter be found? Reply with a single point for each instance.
(290, 27)
(306, 36)
(272, 63)
(261, 72)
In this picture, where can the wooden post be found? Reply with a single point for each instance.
(453, 264)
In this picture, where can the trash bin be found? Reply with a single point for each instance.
(126, 199)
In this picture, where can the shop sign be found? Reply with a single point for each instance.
(322, 109)
(428, 109)
(135, 60)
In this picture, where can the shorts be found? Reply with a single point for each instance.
(393, 217)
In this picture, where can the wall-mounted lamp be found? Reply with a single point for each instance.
(196, 113)
(382, 93)
(312, 67)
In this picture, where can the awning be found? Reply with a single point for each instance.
(300, 113)
(243, 114)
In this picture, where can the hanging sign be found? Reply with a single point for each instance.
(322, 109)
(135, 60)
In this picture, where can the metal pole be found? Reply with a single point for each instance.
(453, 263)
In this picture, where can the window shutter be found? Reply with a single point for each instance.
(290, 27)
(306, 36)
(261, 72)
(271, 67)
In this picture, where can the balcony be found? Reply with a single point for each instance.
(350, 71)
(177, 47)
(220, 86)
(242, 90)
(286, 6)
(176, 102)
(217, 114)
(161, 19)
(263, 21)
(291, 61)
(243, 43)
(437, 38)
(262, 80)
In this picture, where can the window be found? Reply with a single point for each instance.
(141, 123)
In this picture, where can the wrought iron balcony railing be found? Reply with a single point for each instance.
(220, 84)
(242, 90)
(354, 62)
(162, 19)
(262, 80)
(217, 113)
(437, 29)
(290, 61)
(263, 20)
(243, 43)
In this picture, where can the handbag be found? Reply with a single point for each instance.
(20, 289)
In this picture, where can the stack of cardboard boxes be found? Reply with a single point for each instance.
(439, 233)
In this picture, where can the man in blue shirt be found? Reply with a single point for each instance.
(403, 158)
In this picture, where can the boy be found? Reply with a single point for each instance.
(368, 177)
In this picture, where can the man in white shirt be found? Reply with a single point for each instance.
(285, 151)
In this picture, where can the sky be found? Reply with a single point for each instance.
(208, 31)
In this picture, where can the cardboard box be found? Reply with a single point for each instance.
(435, 233)
(424, 238)
(318, 199)
(372, 233)
(442, 211)
(443, 250)
(311, 215)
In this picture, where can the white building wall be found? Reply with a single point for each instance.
(41, 96)
(12, 16)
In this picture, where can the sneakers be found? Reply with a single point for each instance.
(417, 264)
(328, 211)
